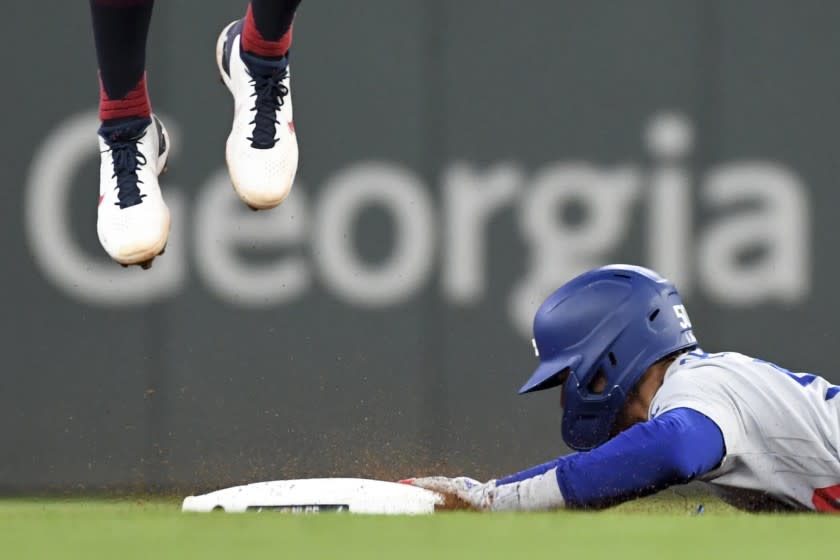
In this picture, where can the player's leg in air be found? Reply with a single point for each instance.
(253, 58)
(133, 220)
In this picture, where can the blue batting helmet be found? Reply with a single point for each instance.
(613, 322)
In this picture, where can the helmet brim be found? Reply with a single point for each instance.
(548, 375)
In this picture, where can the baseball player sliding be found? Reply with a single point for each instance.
(646, 408)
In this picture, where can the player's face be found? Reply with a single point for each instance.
(563, 377)
(597, 385)
(637, 405)
(628, 415)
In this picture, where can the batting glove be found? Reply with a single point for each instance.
(540, 492)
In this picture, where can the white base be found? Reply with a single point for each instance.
(314, 495)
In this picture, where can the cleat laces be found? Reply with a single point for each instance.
(270, 94)
(126, 158)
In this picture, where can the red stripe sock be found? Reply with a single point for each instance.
(134, 104)
(254, 43)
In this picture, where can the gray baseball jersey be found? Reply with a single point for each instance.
(781, 429)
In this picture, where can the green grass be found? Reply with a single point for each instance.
(662, 527)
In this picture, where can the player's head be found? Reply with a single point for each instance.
(597, 335)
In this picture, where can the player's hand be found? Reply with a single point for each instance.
(460, 493)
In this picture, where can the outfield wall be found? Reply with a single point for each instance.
(458, 161)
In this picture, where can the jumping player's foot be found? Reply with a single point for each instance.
(261, 151)
(133, 220)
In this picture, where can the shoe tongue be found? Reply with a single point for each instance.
(124, 129)
(264, 66)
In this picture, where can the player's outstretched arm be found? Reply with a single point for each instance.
(673, 448)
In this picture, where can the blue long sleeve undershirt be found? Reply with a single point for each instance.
(673, 448)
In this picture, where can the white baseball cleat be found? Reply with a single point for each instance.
(133, 220)
(261, 151)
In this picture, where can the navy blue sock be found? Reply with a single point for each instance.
(273, 17)
(120, 28)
